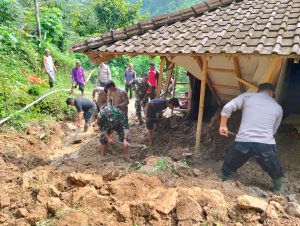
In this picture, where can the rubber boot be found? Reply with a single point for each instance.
(140, 120)
(86, 127)
(223, 177)
(278, 186)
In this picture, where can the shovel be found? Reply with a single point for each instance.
(143, 147)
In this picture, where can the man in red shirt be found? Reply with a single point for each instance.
(153, 77)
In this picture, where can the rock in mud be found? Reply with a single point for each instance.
(271, 212)
(89, 198)
(196, 172)
(188, 209)
(4, 217)
(292, 198)
(293, 209)
(21, 212)
(54, 205)
(74, 219)
(82, 179)
(37, 214)
(250, 202)
(4, 201)
(165, 201)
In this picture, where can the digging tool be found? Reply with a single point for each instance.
(143, 147)
(232, 133)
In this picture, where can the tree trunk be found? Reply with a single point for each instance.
(37, 17)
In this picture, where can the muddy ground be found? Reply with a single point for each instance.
(46, 179)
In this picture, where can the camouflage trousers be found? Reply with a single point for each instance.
(139, 105)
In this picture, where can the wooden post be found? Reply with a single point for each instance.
(190, 100)
(161, 74)
(201, 103)
(168, 78)
(238, 72)
(174, 84)
(209, 83)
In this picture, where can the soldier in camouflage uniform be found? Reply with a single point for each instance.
(141, 86)
(112, 119)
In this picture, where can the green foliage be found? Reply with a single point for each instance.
(113, 14)
(35, 90)
(51, 25)
(84, 21)
(9, 11)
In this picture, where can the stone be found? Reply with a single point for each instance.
(82, 179)
(53, 191)
(43, 195)
(238, 224)
(196, 172)
(21, 212)
(165, 201)
(4, 217)
(277, 206)
(188, 209)
(292, 198)
(54, 205)
(74, 219)
(37, 214)
(271, 212)
(4, 201)
(251, 202)
(124, 212)
(89, 198)
(293, 209)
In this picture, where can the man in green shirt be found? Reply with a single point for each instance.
(112, 119)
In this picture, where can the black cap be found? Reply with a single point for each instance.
(152, 64)
(266, 87)
(146, 75)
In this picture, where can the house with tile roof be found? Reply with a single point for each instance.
(230, 45)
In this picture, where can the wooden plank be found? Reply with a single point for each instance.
(201, 103)
(246, 83)
(225, 86)
(209, 83)
(168, 78)
(227, 70)
(161, 74)
(238, 72)
(273, 70)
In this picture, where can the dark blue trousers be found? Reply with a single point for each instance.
(264, 154)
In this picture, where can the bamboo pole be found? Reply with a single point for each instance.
(201, 103)
(161, 74)
(168, 79)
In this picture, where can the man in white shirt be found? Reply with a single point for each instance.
(104, 74)
(49, 67)
(261, 117)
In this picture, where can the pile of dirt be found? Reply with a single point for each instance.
(45, 179)
(49, 196)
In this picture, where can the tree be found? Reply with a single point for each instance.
(113, 14)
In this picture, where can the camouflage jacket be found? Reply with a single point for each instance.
(141, 89)
(111, 119)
